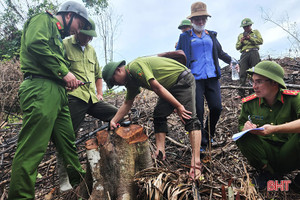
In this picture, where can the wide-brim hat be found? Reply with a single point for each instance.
(269, 69)
(198, 9)
(90, 30)
(109, 70)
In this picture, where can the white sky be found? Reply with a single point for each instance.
(150, 26)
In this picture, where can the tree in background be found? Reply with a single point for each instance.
(107, 26)
(291, 28)
(15, 13)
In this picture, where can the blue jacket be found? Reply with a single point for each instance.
(184, 44)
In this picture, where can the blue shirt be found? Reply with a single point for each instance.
(202, 65)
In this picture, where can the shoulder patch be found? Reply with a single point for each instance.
(206, 32)
(249, 98)
(58, 25)
(290, 92)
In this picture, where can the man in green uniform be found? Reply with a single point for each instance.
(175, 86)
(43, 97)
(85, 67)
(273, 151)
(248, 44)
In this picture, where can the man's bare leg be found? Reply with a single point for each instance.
(160, 139)
(195, 139)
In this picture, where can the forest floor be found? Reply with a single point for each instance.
(224, 165)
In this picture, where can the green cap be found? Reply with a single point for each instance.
(109, 70)
(90, 29)
(271, 70)
(246, 22)
(185, 22)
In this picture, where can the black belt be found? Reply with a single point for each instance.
(183, 74)
(253, 49)
(31, 76)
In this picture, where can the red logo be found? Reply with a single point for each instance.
(283, 185)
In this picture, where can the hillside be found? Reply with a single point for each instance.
(223, 163)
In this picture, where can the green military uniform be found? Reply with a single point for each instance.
(280, 151)
(44, 103)
(85, 66)
(250, 56)
(169, 73)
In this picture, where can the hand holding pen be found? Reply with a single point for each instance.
(249, 124)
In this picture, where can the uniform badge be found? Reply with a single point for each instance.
(58, 25)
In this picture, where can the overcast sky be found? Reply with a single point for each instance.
(150, 26)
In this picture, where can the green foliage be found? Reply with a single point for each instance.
(95, 5)
(15, 13)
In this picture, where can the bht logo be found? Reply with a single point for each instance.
(283, 185)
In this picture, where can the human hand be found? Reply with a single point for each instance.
(99, 97)
(113, 125)
(249, 125)
(183, 113)
(268, 129)
(71, 81)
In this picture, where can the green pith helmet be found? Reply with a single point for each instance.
(271, 70)
(185, 22)
(109, 70)
(246, 22)
(90, 30)
(75, 7)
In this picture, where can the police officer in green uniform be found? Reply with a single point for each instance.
(43, 97)
(273, 151)
(175, 86)
(248, 44)
(85, 67)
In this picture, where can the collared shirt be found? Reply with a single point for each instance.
(253, 43)
(285, 109)
(202, 64)
(85, 67)
(42, 50)
(143, 69)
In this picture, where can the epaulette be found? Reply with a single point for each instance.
(49, 13)
(290, 92)
(206, 32)
(249, 98)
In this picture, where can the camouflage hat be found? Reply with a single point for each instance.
(90, 29)
(185, 22)
(246, 22)
(271, 70)
(109, 70)
(198, 9)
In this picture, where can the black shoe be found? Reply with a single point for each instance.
(295, 185)
(260, 181)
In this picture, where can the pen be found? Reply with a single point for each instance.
(249, 118)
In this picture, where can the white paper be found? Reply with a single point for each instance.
(236, 136)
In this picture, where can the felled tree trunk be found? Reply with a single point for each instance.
(114, 158)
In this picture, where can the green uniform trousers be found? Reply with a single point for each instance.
(45, 116)
(280, 157)
(100, 110)
(247, 60)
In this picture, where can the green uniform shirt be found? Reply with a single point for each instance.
(254, 41)
(285, 109)
(85, 66)
(143, 69)
(42, 50)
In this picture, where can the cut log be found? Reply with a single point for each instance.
(114, 158)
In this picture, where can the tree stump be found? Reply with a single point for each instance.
(114, 158)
